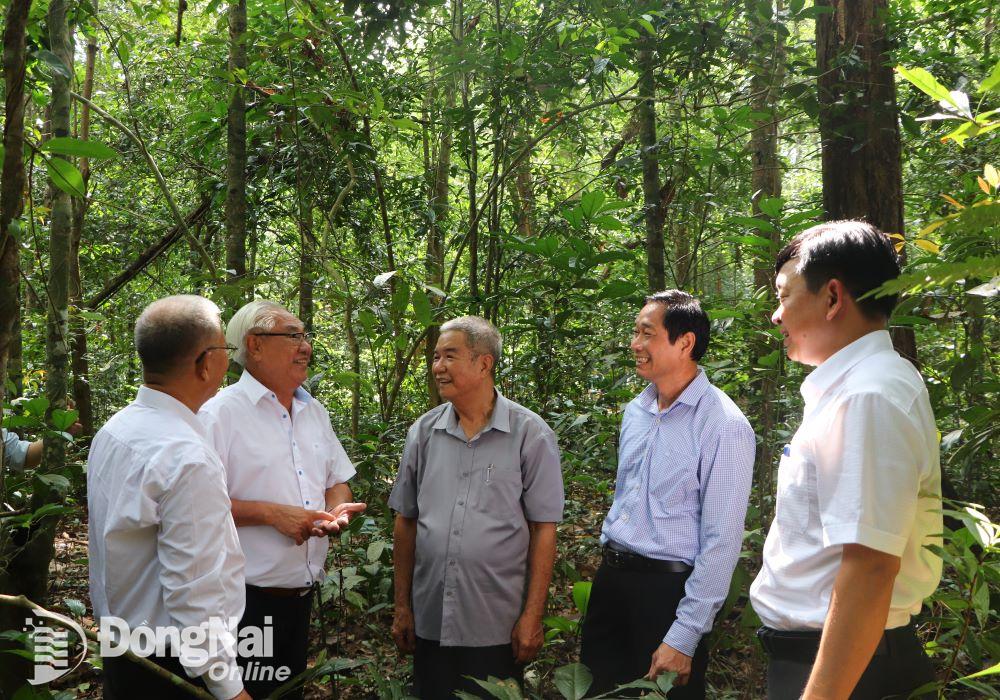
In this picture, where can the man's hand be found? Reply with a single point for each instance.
(342, 514)
(666, 659)
(527, 638)
(244, 695)
(403, 630)
(295, 522)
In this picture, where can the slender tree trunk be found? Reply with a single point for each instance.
(236, 151)
(307, 254)
(12, 182)
(354, 351)
(765, 181)
(80, 361)
(858, 119)
(650, 165)
(472, 158)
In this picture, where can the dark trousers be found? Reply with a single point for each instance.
(440, 671)
(124, 680)
(290, 624)
(628, 615)
(898, 667)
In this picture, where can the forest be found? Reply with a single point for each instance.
(381, 167)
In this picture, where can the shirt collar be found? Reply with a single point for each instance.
(252, 387)
(156, 399)
(691, 395)
(837, 365)
(499, 420)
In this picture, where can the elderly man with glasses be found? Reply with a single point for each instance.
(287, 474)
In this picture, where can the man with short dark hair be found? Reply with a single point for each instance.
(672, 537)
(477, 498)
(846, 561)
(163, 547)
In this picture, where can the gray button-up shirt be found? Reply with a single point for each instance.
(472, 500)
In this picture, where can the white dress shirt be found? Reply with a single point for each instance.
(163, 546)
(272, 456)
(863, 468)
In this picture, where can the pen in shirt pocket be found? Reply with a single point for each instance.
(489, 473)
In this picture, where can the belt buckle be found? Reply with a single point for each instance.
(615, 558)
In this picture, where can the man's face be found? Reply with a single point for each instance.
(456, 369)
(656, 358)
(281, 362)
(801, 315)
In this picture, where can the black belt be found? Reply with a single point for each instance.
(281, 592)
(802, 645)
(630, 561)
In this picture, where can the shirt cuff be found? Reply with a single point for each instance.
(229, 686)
(683, 640)
(859, 533)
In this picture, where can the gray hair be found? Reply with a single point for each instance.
(171, 329)
(258, 315)
(481, 336)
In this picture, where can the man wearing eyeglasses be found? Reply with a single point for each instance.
(163, 550)
(287, 474)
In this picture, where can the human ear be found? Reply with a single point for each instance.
(835, 298)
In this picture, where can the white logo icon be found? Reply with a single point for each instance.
(52, 646)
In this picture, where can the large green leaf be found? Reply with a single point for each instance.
(573, 681)
(581, 596)
(65, 176)
(926, 83)
(54, 63)
(69, 146)
(992, 81)
(422, 307)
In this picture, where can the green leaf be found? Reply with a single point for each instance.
(992, 82)
(770, 359)
(755, 223)
(646, 24)
(65, 176)
(62, 419)
(37, 406)
(375, 550)
(581, 596)
(56, 481)
(75, 606)
(69, 146)
(771, 206)
(54, 63)
(926, 83)
(573, 681)
(617, 289)
(400, 297)
(665, 681)
(590, 203)
(422, 308)
(404, 124)
(991, 671)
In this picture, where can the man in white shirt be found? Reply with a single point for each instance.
(163, 548)
(287, 475)
(846, 562)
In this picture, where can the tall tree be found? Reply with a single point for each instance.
(236, 150)
(649, 157)
(859, 122)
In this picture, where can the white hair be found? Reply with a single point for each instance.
(481, 336)
(258, 315)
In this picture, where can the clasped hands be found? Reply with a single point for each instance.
(300, 523)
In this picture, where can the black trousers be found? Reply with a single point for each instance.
(289, 620)
(628, 616)
(898, 667)
(440, 671)
(124, 680)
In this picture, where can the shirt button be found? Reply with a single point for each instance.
(449, 594)
(284, 415)
(451, 563)
(456, 532)
(300, 472)
(624, 517)
(464, 474)
(307, 502)
(461, 503)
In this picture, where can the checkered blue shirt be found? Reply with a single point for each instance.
(681, 494)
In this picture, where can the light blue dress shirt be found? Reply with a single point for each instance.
(681, 494)
(15, 450)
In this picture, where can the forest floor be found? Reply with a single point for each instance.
(362, 633)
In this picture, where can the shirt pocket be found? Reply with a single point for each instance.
(673, 483)
(498, 487)
(796, 489)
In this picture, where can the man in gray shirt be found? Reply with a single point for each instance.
(478, 496)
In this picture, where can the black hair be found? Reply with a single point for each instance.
(854, 252)
(683, 314)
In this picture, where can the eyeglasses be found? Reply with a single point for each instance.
(299, 337)
(227, 348)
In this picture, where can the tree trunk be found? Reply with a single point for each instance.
(765, 181)
(236, 152)
(650, 165)
(12, 183)
(80, 361)
(307, 254)
(859, 127)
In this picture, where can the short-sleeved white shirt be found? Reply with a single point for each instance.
(271, 455)
(863, 468)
